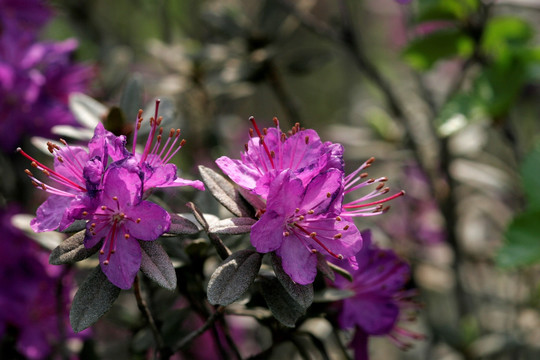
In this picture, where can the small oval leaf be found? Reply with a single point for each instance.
(72, 250)
(232, 226)
(225, 192)
(232, 278)
(180, 225)
(302, 294)
(284, 308)
(155, 264)
(94, 298)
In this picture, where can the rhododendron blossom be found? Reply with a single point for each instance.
(379, 301)
(300, 222)
(273, 151)
(121, 219)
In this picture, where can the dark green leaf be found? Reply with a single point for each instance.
(132, 97)
(225, 192)
(324, 268)
(72, 250)
(93, 299)
(433, 10)
(422, 53)
(232, 226)
(284, 308)
(531, 179)
(232, 278)
(155, 264)
(180, 225)
(302, 294)
(522, 245)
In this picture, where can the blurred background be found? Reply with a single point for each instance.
(443, 93)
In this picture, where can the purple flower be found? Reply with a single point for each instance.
(36, 79)
(35, 295)
(154, 160)
(379, 299)
(77, 174)
(121, 219)
(272, 151)
(23, 17)
(299, 222)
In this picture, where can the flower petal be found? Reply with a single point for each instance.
(154, 221)
(267, 233)
(50, 213)
(298, 262)
(124, 263)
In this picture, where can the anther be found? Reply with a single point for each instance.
(33, 164)
(115, 198)
(338, 236)
(363, 175)
(103, 207)
(35, 183)
(310, 212)
(265, 131)
(272, 154)
(340, 257)
(297, 210)
(312, 235)
(63, 142)
(328, 195)
(307, 140)
(106, 262)
(346, 227)
(380, 186)
(46, 172)
(314, 251)
(338, 218)
(286, 233)
(276, 121)
(84, 213)
(43, 186)
(101, 252)
(301, 217)
(28, 172)
(138, 220)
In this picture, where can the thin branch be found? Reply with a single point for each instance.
(161, 351)
(195, 334)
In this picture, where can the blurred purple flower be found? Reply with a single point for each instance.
(35, 295)
(154, 160)
(121, 219)
(299, 222)
(77, 173)
(272, 151)
(35, 77)
(379, 299)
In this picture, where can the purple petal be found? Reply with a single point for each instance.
(123, 183)
(298, 262)
(322, 191)
(124, 263)
(285, 194)
(50, 213)
(158, 176)
(154, 221)
(267, 233)
(375, 315)
(240, 172)
(359, 344)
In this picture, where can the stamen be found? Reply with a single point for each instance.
(313, 235)
(252, 119)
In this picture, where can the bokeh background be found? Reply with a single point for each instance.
(443, 93)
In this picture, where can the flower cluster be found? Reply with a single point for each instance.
(35, 295)
(106, 184)
(379, 298)
(303, 183)
(35, 77)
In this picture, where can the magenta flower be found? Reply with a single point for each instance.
(77, 174)
(121, 219)
(154, 160)
(35, 82)
(272, 151)
(379, 300)
(299, 222)
(35, 295)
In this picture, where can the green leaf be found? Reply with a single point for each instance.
(302, 294)
(505, 35)
(155, 264)
(430, 10)
(284, 308)
(72, 250)
(232, 226)
(422, 53)
(181, 225)
(531, 179)
(93, 299)
(522, 245)
(460, 110)
(132, 97)
(225, 192)
(232, 278)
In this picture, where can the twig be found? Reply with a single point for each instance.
(195, 334)
(222, 250)
(161, 351)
